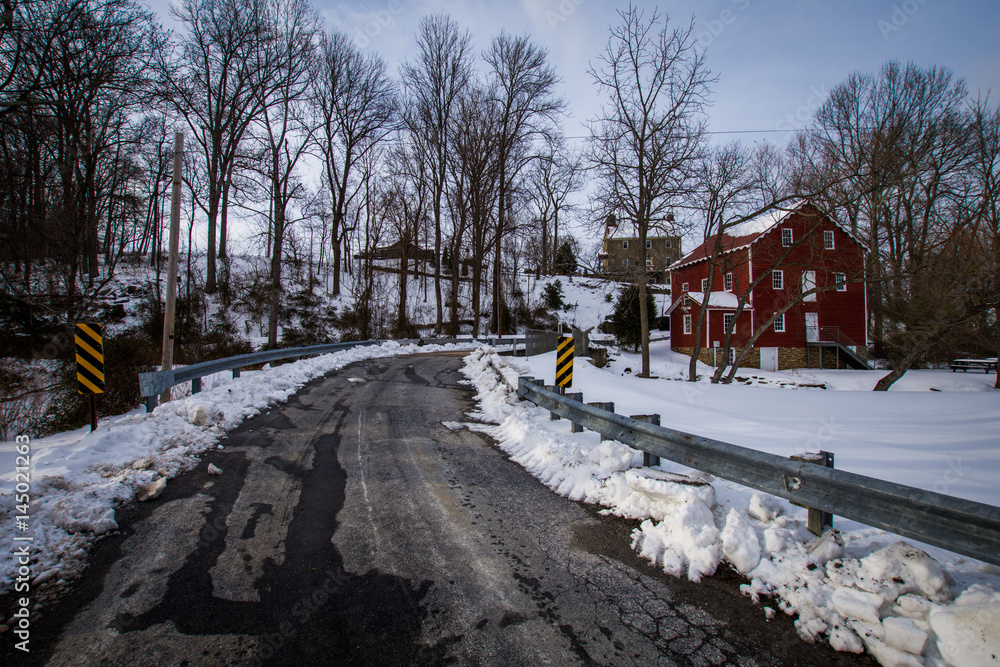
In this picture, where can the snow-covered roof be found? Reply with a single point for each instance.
(716, 300)
(762, 222)
(742, 235)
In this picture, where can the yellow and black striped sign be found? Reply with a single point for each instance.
(89, 359)
(564, 362)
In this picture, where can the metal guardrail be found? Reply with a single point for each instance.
(962, 526)
(151, 385)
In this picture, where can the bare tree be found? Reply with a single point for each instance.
(553, 178)
(215, 87)
(32, 34)
(472, 197)
(434, 83)
(522, 87)
(356, 101)
(284, 64)
(985, 212)
(648, 138)
(726, 186)
(903, 146)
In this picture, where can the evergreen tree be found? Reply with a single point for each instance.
(565, 260)
(626, 318)
(553, 295)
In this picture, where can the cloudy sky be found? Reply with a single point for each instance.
(776, 59)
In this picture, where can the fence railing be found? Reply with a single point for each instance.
(835, 335)
(962, 526)
(151, 385)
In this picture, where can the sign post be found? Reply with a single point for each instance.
(564, 362)
(167, 360)
(90, 365)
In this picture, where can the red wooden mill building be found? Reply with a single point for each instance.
(794, 252)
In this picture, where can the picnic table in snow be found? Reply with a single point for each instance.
(986, 365)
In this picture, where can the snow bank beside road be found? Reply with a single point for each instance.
(78, 478)
(860, 589)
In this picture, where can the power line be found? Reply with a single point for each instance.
(724, 132)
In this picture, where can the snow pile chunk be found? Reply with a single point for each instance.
(968, 632)
(844, 639)
(153, 490)
(214, 469)
(669, 486)
(684, 543)
(900, 568)
(852, 603)
(904, 635)
(739, 542)
(827, 547)
(762, 508)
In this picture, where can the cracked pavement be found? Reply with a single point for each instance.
(350, 526)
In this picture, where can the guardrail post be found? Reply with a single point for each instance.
(647, 458)
(558, 390)
(195, 385)
(526, 379)
(817, 520)
(607, 406)
(576, 396)
(152, 402)
(236, 373)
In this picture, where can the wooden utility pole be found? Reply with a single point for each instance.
(167, 362)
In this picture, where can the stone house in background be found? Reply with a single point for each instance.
(620, 253)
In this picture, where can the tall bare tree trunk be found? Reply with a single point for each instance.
(279, 233)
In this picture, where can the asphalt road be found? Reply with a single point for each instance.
(350, 526)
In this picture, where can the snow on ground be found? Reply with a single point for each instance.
(78, 477)
(858, 589)
(587, 299)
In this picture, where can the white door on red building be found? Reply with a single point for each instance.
(769, 359)
(812, 327)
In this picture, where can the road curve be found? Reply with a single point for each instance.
(351, 526)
